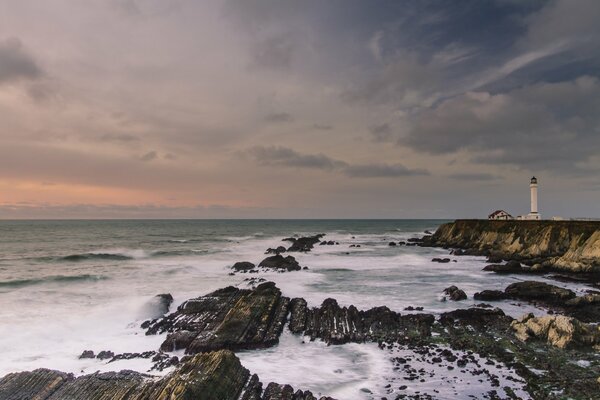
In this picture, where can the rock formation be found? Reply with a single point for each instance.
(557, 330)
(567, 245)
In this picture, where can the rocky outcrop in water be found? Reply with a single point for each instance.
(337, 325)
(567, 245)
(280, 263)
(228, 318)
(207, 376)
(304, 244)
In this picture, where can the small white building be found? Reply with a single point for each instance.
(500, 215)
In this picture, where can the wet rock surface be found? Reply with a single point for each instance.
(208, 376)
(304, 244)
(539, 291)
(228, 318)
(455, 294)
(280, 263)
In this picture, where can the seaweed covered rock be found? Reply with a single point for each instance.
(228, 318)
(557, 330)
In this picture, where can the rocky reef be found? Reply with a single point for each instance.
(562, 245)
(208, 376)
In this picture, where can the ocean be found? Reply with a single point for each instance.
(70, 286)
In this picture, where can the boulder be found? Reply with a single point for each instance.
(440, 260)
(490, 295)
(392, 244)
(558, 330)
(278, 262)
(455, 293)
(87, 354)
(511, 267)
(279, 249)
(164, 302)
(243, 266)
(534, 290)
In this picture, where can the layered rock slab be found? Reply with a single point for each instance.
(228, 318)
(208, 376)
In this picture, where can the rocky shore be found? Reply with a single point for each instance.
(554, 356)
(572, 246)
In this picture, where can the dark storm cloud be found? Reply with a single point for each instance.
(279, 117)
(550, 126)
(283, 156)
(149, 156)
(16, 63)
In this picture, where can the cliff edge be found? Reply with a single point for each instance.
(565, 245)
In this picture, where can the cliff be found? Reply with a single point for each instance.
(566, 245)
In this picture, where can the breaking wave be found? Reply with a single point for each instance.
(56, 278)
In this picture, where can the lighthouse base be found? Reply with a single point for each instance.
(530, 217)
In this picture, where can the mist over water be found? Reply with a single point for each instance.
(69, 286)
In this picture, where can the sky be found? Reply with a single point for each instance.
(298, 109)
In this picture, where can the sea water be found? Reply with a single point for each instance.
(70, 286)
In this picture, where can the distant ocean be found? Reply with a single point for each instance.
(69, 286)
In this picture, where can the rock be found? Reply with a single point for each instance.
(455, 293)
(87, 354)
(490, 295)
(492, 259)
(533, 290)
(337, 325)
(557, 330)
(228, 318)
(477, 317)
(208, 376)
(304, 244)
(584, 300)
(278, 262)
(105, 355)
(440, 260)
(511, 267)
(279, 249)
(392, 244)
(243, 266)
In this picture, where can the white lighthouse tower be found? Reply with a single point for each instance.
(533, 186)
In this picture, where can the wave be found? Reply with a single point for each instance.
(17, 283)
(97, 256)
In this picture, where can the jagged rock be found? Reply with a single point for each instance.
(87, 354)
(511, 267)
(455, 293)
(228, 318)
(304, 244)
(207, 376)
(440, 260)
(534, 290)
(278, 262)
(490, 295)
(584, 300)
(279, 249)
(243, 266)
(557, 330)
(337, 325)
(105, 355)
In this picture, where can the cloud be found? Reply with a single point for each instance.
(381, 133)
(16, 63)
(543, 126)
(274, 52)
(284, 156)
(381, 171)
(151, 155)
(474, 176)
(321, 127)
(278, 117)
(118, 137)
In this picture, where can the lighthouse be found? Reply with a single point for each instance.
(533, 187)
